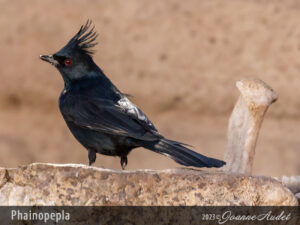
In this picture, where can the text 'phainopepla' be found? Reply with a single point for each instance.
(101, 117)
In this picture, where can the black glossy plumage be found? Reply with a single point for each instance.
(103, 119)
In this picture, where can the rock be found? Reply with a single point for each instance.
(68, 184)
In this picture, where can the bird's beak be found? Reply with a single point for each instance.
(49, 59)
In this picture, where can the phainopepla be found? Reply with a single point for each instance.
(101, 117)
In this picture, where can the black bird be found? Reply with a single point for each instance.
(101, 117)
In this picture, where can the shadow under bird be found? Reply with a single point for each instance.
(101, 117)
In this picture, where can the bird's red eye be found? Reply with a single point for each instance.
(68, 62)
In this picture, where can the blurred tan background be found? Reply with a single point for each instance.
(179, 59)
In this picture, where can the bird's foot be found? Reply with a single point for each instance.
(92, 157)
(123, 162)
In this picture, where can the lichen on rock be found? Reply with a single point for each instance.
(69, 184)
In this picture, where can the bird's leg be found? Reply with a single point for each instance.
(123, 162)
(92, 156)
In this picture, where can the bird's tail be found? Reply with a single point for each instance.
(182, 155)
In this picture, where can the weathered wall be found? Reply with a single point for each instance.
(175, 52)
(179, 59)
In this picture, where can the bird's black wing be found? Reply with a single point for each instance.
(125, 119)
(121, 118)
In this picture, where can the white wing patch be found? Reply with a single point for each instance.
(133, 110)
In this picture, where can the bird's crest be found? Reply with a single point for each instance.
(85, 38)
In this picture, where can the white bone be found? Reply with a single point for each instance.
(245, 123)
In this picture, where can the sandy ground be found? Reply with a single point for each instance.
(179, 59)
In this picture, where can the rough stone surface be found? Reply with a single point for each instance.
(52, 184)
(292, 183)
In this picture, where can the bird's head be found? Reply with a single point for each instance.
(75, 59)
